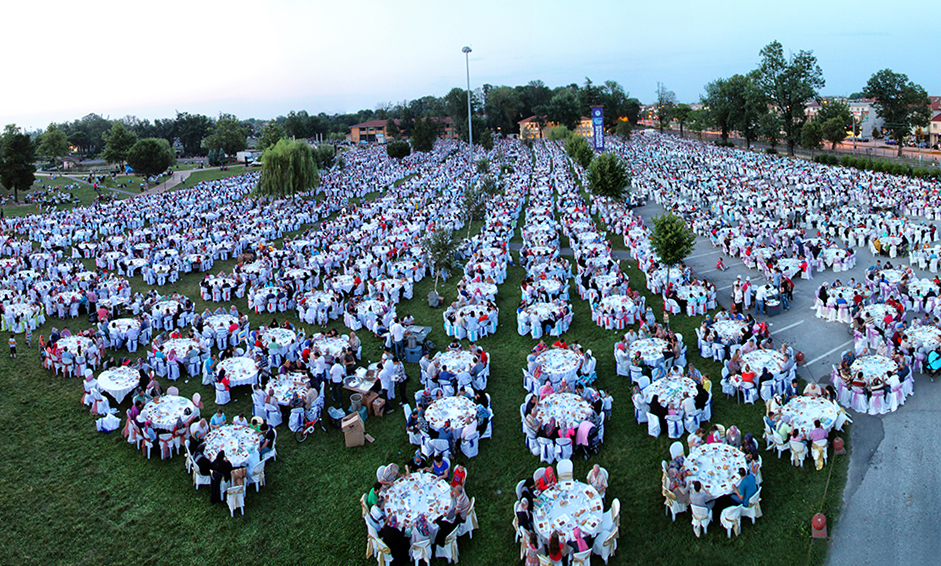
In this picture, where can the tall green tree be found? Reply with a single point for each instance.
(503, 110)
(441, 248)
(150, 156)
(834, 118)
(118, 141)
(425, 133)
(607, 176)
(191, 129)
(564, 109)
(681, 114)
(17, 154)
(623, 129)
(718, 103)
(486, 139)
(474, 205)
(398, 149)
(392, 130)
(325, 155)
(271, 134)
(580, 151)
(666, 100)
(812, 136)
(769, 129)
(902, 104)
(80, 140)
(748, 105)
(288, 168)
(671, 239)
(789, 84)
(227, 134)
(53, 144)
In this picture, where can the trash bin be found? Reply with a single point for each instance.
(356, 399)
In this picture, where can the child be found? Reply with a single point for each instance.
(12, 346)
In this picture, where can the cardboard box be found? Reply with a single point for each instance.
(378, 407)
(368, 398)
(353, 430)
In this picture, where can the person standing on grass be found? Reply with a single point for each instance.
(12, 346)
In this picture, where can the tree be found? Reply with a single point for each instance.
(769, 129)
(474, 205)
(902, 104)
(671, 239)
(681, 114)
(666, 100)
(748, 105)
(623, 129)
(718, 104)
(270, 135)
(698, 121)
(834, 118)
(486, 139)
(53, 143)
(563, 110)
(227, 134)
(607, 176)
(288, 168)
(325, 155)
(80, 141)
(503, 109)
(425, 133)
(579, 151)
(811, 136)
(558, 133)
(118, 141)
(398, 149)
(441, 250)
(150, 156)
(191, 129)
(788, 85)
(17, 172)
(392, 130)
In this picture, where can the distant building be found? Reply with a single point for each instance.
(529, 128)
(375, 131)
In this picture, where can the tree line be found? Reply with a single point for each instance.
(770, 103)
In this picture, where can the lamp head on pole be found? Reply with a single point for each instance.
(465, 49)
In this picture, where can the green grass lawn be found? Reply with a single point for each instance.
(72, 495)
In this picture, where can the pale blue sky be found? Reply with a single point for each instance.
(264, 58)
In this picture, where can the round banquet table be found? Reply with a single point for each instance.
(875, 314)
(691, 292)
(716, 466)
(650, 350)
(67, 297)
(540, 310)
(830, 255)
(567, 505)
(873, 367)
(568, 410)
(122, 325)
(482, 289)
(415, 495)
(729, 330)
(790, 266)
(928, 337)
(165, 308)
(111, 301)
(181, 345)
(760, 359)
(240, 444)
(458, 409)
(455, 360)
(559, 364)
(282, 336)
(659, 277)
(473, 311)
(804, 410)
(891, 276)
(27, 274)
(343, 283)
(164, 411)
(118, 382)
(618, 303)
(287, 384)
(374, 306)
(921, 287)
(332, 346)
(217, 321)
(241, 370)
(73, 343)
(671, 390)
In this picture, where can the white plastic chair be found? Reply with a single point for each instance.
(222, 395)
(235, 498)
(753, 509)
(653, 424)
(449, 550)
(702, 516)
(565, 470)
(798, 453)
(731, 519)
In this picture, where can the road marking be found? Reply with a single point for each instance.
(824, 355)
(726, 287)
(707, 271)
(788, 326)
(705, 254)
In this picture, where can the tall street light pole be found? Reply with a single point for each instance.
(470, 125)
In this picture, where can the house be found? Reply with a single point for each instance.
(529, 128)
(375, 130)
(934, 129)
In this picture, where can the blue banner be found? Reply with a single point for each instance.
(597, 127)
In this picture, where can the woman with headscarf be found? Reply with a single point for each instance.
(546, 480)
(221, 471)
(749, 446)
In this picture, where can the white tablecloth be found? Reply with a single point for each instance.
(285, 385)
(927, 336)
(671, 390)
(282, 336)
(650, 350)
(560, 364)
(165, 411)
(72, 343)
(456, 361)
(415, 495)
(181, 345)
(568, 410)
(118, 382)
(240, 370)
(460, 410)
(872, 367)
(240, 444)
(567, 505)
(332, 346)
(759, 359)
(729, 330)
(803, 411)
(218, 321)
(122, 325)
(716, 466)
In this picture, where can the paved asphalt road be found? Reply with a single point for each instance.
(891, 506)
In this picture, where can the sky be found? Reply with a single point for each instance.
(262, 59)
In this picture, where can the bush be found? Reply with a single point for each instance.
(398, 150)
(847, 161)
(834, 160)
(771, 151)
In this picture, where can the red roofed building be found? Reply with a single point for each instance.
(375, 131)
(529, 128)
(934, 129)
